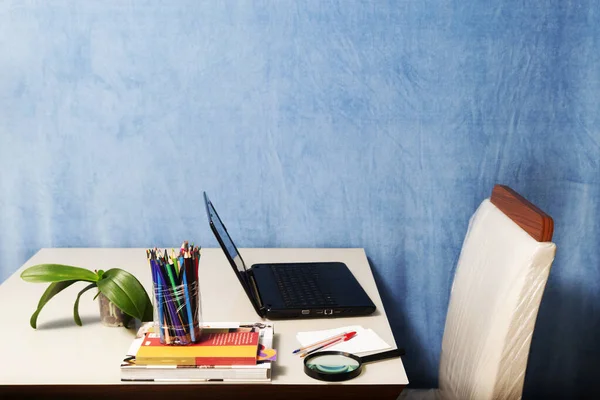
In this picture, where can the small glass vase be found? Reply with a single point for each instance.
(110, 314)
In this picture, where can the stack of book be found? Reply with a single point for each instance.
(226, 352)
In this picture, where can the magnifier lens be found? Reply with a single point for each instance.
(332, 364)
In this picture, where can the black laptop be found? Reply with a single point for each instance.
(294, 290)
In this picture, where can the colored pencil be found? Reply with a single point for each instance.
(175, 280)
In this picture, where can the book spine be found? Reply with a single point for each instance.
(196, 361)
(225, 361)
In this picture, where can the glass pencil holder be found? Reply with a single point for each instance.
(177, 309)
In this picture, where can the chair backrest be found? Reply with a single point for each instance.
(498, 285)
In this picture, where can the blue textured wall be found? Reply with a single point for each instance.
(314, 123)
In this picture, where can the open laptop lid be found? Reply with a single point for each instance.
(233, 255)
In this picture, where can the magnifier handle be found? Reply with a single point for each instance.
(383, 356)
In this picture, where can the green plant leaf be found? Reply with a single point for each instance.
(76, 306)
(127, 293)
(57, 273)
(52, 290)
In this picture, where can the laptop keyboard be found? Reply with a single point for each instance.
(298, 287)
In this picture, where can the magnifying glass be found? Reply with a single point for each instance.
(336, 366)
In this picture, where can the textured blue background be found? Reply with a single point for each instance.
(317, 123)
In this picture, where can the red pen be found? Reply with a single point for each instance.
(320, 342)
(344, 338)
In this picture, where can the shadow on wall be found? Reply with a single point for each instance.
(564, 357)
(405, 337)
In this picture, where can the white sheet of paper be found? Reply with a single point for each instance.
(365, 341)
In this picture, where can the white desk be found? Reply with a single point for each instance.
(77, 360)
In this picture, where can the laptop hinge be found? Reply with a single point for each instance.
(255, 293)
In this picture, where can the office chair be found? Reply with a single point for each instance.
(498, 285)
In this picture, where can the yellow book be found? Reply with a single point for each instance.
(215, 347)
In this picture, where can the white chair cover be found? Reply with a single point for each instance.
(496, 293)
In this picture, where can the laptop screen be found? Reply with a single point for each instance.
(226, 242)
